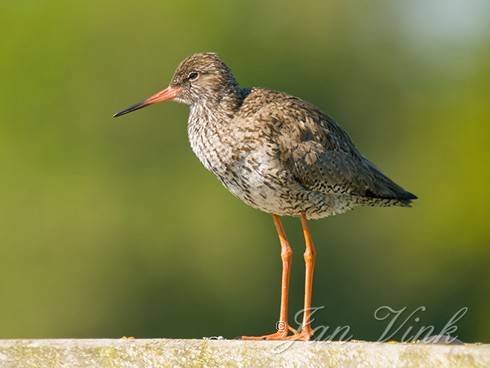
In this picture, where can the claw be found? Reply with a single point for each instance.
(282, 334)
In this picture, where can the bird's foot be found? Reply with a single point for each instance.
(303, 335)
(283, 334)
(279, 335)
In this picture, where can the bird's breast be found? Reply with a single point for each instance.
(249, 170)
(210, 144)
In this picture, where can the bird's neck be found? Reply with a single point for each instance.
(209, 122)
(217, 110)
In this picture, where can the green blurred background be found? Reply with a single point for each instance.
(112, 227)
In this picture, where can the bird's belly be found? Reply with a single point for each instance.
(259, 181)
(273, 190)
(258, 193)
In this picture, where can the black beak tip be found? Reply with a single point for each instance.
(135, 107)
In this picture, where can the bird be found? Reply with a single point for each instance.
(278, 154)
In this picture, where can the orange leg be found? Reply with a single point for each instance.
(310, 256)
(286, 255)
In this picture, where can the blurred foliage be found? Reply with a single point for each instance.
(112, 227)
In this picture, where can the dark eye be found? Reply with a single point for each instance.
(193, 76)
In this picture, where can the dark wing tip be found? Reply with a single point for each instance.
(402, 196)
(408, 196)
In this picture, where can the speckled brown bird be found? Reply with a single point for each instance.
(276, 153)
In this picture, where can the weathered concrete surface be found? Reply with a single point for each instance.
(234, 353)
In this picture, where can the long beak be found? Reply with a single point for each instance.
(168, 93)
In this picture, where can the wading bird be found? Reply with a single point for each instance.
(277, 153)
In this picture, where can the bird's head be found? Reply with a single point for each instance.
(200, 78)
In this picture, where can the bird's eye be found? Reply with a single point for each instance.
(193, 76)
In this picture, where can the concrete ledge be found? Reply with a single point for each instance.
(234, 353)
